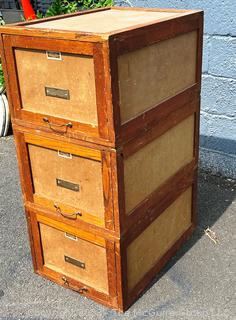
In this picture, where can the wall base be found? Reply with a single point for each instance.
(218, 162)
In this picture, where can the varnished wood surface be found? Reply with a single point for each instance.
(28, 28)
(107, 21)
(94, 272)
(80, 85)
(157, 161)
(58, 277)
(75, 231)
(47, 162)
(64, 147)
(147, 279)
(106, 54)
(147, 77)
(88, 226)
(110, 142)
(159, 200)
(68, 212)
(144, 251)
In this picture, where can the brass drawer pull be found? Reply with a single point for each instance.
(66, 283)
(52, 125)
(72, 216)
(82, 290)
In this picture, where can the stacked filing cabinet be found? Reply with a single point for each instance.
(105, 112)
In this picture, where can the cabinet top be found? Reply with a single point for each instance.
(105, 21)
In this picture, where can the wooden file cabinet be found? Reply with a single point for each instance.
(105, 111)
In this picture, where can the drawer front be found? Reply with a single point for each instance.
(74, 257)
(60, 84)
(68, 180)
(71, 181)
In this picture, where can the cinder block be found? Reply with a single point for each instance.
(206, 49)
(219, 15)
(218, 126)
(218, 119)
(219, 96)
(222, 57)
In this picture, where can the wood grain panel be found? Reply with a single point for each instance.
(105, 21)
(74, 73)
(47, 166)
(56, 245)
(63, 146)
(155, 240)
(152, 165)
(66, 211)
(127, 136)
(152, 74)
(78, 232)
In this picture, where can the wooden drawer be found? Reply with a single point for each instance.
(105, 112)
(60, 84)
(101, 186)
(72, 180)
(63, 92)
(112, 271)
(103, 88)
(72, 257)
(67, 178)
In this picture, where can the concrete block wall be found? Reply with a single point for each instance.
(218, 115)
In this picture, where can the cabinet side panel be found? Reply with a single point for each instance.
(148, 168)
(144, 252)
(155, 73)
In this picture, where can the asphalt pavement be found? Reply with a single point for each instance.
(199, 283)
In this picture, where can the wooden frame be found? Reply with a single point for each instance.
(129, 227)
(137, 228)
(22, 139)
(105, 49)
(119, 297)
(116, 218)
(126, 227)
(131, 40)
(95, 134)
(175, 184)
(111, 142)
(33, 218)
